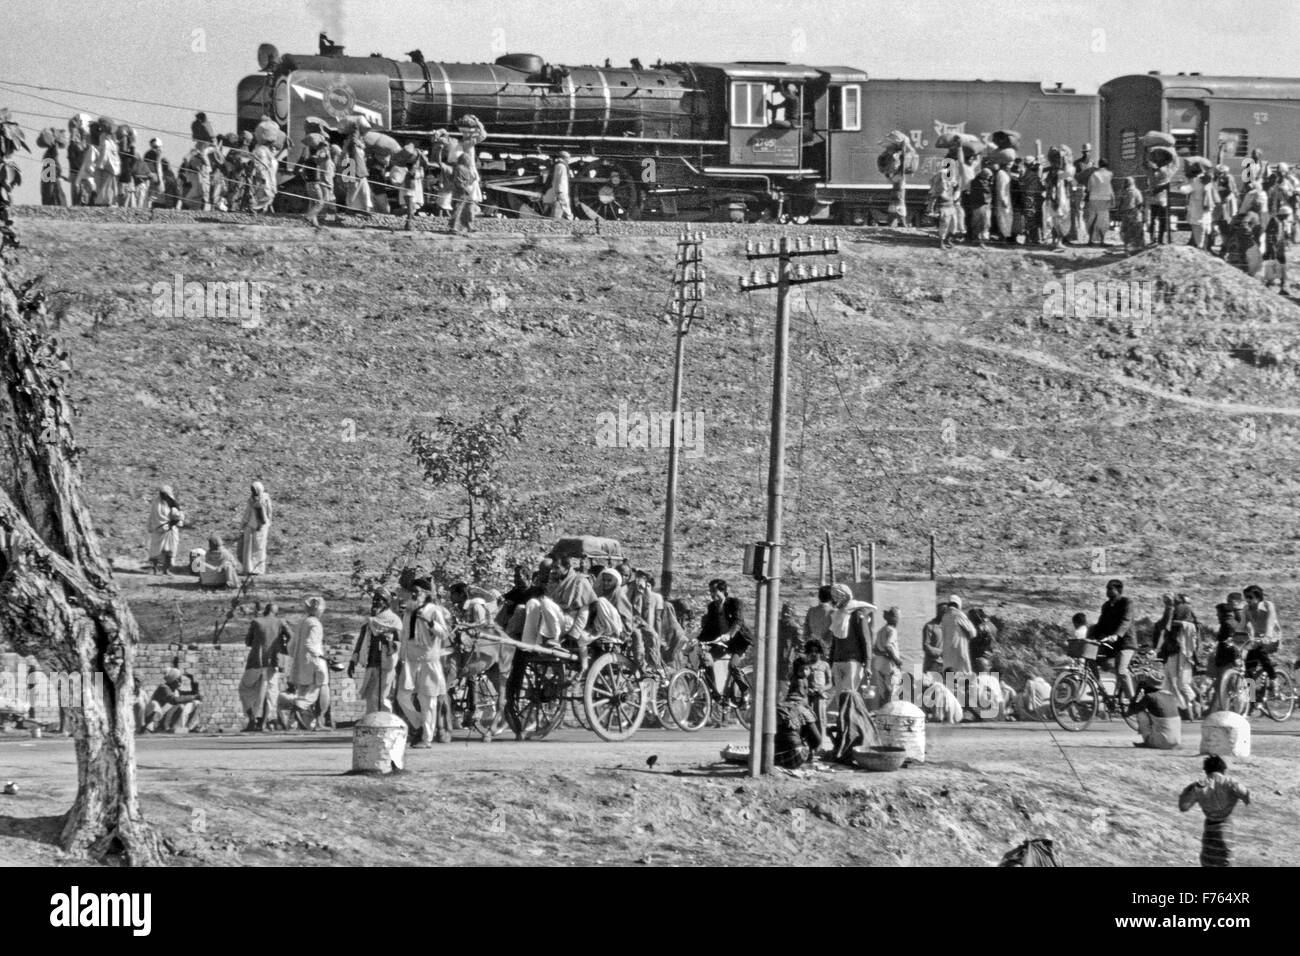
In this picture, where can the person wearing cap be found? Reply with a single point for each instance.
(165, 522)
(848, 637)
(268, 638)
(957, 633)
(422, 688)
(886, 664)
(308, 676)
(170, 710)
(558, 193)
(377, 651)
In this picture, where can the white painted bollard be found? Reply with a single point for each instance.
(1225, 734)
(902, 724)
(378, 743)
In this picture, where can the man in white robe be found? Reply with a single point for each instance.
(256, 528)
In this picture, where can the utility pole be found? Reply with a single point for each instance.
(688, 298)
(786, 275)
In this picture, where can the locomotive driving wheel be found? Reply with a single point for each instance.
(606, 192)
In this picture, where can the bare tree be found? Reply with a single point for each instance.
(58, 599)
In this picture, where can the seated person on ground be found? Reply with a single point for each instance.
(797, 738)
(170, 710)
(1156, 709)
(218, 567)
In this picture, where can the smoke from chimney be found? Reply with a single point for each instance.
(329, 16)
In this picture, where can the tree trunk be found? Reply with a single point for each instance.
(58, 599)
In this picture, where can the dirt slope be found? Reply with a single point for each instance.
(929, 392)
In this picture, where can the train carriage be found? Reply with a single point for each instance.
(927, 109)
(1223, 118)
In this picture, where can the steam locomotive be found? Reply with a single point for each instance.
(744, 140)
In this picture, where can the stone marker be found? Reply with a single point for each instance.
(379, 743)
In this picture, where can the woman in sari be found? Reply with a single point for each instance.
(256, 528)
(218, 568)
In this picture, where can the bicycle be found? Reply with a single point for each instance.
(694, 700)
(1243, 688)
(473, 695)
(1079, 692)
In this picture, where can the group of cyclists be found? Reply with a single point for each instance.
(1247, 637)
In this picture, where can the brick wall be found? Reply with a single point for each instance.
(218, 670)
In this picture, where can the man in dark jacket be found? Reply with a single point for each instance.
(724, 632)
(1114, 628)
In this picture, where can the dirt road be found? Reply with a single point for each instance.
(572, 799)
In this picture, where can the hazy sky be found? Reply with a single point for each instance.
(191, 53)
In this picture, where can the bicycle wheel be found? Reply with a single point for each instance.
(656, 692)
(688, 701)
(486, 704)
(1279, 700)
(1074, 700)
(614, 697)
(1233, 692)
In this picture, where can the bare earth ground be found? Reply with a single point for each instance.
(573, 800)
(928, 392)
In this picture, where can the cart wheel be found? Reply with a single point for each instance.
(539, 706)
(688, 700)
(1279, 701)
(1073, 701)
(614, 697)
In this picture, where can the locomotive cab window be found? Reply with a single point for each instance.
(749, 104)
(846, 108)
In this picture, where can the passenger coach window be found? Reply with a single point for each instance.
(846, 109)
(749, 104)
(1234, 142)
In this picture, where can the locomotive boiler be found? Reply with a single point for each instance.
(681, 140)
